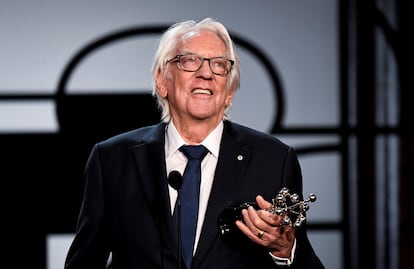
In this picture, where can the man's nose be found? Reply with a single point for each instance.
(205, 69)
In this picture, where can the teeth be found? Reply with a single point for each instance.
(202, 91)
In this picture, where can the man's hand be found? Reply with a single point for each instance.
(265, 229)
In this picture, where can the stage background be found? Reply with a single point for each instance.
(59, 78)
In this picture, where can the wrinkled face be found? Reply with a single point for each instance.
(199, 95)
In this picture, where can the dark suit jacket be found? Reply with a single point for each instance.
(126, 208)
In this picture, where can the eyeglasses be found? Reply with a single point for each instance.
(192, 63)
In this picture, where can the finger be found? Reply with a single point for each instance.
(285, 233)
(254, 218)
(267, 216)
(262, 203)
(257, 227)
(249, 218)
(280, 229)
(256, 236)
(272, 218)
(280, 236)
(243, 228)
(289, 232)
(261, 220)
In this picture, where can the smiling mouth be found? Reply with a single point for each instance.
(202, 91)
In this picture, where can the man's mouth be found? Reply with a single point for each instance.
(202, 91)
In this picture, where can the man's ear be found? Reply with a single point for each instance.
(160, 84)
(229, 98)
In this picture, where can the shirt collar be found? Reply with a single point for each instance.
(173, 140)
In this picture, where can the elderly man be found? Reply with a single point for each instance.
(153, 196)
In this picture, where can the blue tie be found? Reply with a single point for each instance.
(189, 198)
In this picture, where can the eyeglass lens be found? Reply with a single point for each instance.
(192, 63)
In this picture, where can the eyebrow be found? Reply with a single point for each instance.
(190, 52)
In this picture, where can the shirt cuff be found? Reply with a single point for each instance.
(285, 261)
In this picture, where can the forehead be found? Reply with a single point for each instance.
(202, 42)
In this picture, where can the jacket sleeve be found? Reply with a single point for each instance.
(88, 248)
(305, 257)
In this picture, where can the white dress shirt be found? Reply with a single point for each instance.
(176, 160)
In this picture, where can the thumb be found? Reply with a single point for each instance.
(262, 203)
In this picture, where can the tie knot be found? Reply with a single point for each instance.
(197, 152)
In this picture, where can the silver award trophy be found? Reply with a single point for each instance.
(285, 204)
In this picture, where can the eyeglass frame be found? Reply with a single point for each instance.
(177, 58)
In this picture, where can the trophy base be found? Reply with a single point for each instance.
(229, 232)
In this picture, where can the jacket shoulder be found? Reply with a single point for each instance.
(145, 134)
(247, 135)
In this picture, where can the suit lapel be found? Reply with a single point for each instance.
(231, 165)
(150, 160)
